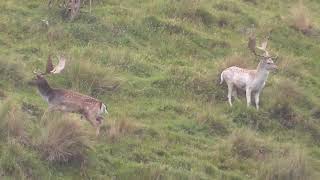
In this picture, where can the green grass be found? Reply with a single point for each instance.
(156, 64)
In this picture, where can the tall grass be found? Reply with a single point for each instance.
(157, 65)
(18, 163)
(300, 18)
(63, 140)
(292, 167)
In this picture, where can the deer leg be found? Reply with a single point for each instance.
(92, 120)
(256, 98)
(248, 94)
(230, 86)
(99, 121)
(234, 93)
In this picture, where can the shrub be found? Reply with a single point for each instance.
(63, 140)
(300, 19)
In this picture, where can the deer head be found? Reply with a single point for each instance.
(266, 61)
(50, 69)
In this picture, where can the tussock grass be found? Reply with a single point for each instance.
(157, 64)
(291, 167)
(289, 66)
(19, 163)
(12, 123)
(119, 128)
(81, 77)
(300, 18)
(63, 140)
(282, 105)
(245, 144)
(216, 125)
(12, 72)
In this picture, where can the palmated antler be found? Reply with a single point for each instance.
(252, 46)
(50, 68)
(60, 66)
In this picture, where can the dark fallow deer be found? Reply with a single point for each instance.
(252, 81)
(66, 100)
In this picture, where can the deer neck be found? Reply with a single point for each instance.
(261, 74)
(45, 90)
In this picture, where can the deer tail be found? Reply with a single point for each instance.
(221, 78)
(103, 108)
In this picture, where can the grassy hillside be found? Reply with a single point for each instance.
(156, 64)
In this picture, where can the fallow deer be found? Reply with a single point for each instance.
(251, 81)
(66, 100)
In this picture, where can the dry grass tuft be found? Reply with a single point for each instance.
(289, 66)
(292, 167)
(12, 123)
(300, 18)
(97, 82)
(216, 124)
(63, 140)
(17, 126)
(246, 145)
(121, 128)
(16, 162)
(282, 104)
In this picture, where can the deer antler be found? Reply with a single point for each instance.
(252, 45)
(60, 66)
(50, 68)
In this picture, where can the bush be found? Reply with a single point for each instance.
(63, 140)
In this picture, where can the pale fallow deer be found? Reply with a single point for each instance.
(66, 100)
(251, 81)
